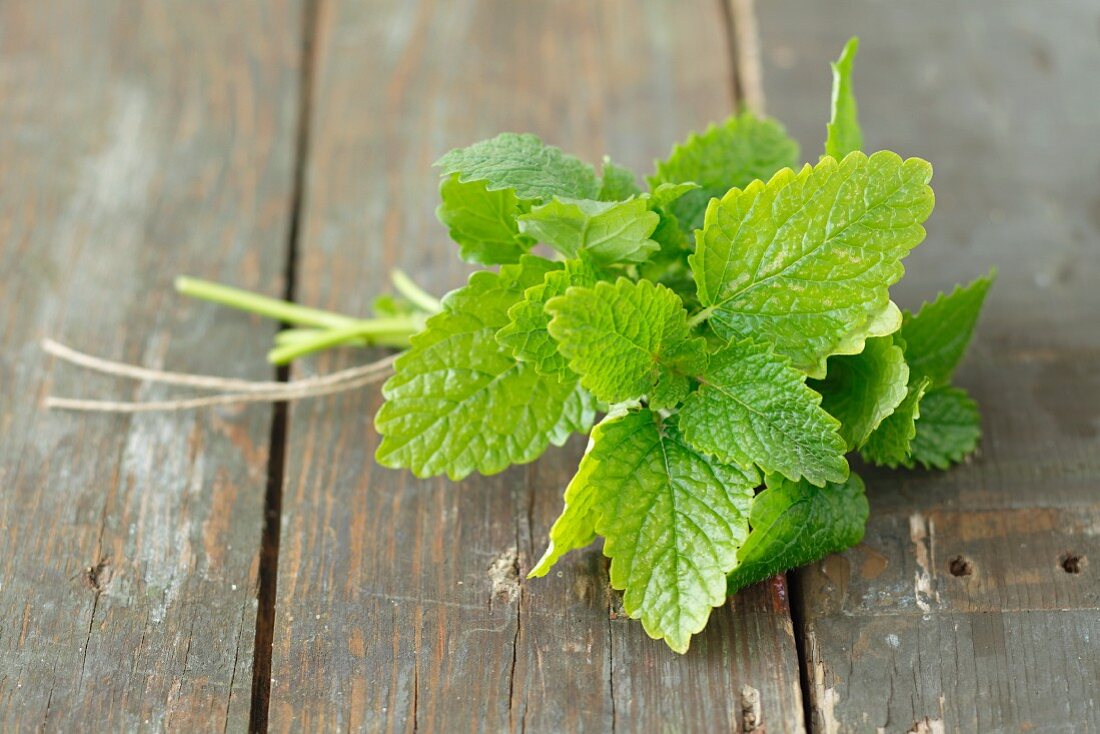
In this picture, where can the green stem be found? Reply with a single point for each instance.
(301, 335)
(391, 332)
(317, 329)
(289, 313)
(417, 295)
(700, 317)
(304, 336)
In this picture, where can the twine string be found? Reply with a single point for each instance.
(236, 390)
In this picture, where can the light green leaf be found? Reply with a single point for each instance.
(487, 296)
(458, 402)
(608, 231)
(526, 334)
(619, 182)
(884, 322)
(577, 413)
(525, 165)
(937, 337)
(889, 444)
(668, 193)
(753, 407)
(948, 428)
(807, 259)
(861, 390)
(482, 222)
(576, 525)
(742, 149)
(627, 340)
(673, 520)
(844, 135)
(795, 523)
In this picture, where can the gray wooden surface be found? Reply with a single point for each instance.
(244, 141)
(136, 143)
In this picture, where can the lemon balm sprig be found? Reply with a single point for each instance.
(724, 336)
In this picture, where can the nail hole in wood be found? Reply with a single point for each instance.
(960, 566)
(1071, 562)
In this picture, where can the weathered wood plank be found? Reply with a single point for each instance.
(400, 601)
(993, 93)
(139, 141)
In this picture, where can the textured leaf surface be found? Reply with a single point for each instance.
(948, 429)
(626, 340)
(673, 520)
(482, 222)
(937, 337)
(458, 402)
(795, 523)
(526, 334)
(525, 165)
(741, 150)
(861, 390)
(607, 231)
(844, 134)
(807, 259)
(753, 407)
(619, 182)
(889, 444)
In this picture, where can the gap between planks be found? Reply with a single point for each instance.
(277, 453)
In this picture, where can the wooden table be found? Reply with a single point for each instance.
(252, 566)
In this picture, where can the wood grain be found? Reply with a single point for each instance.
(993, 94)
(401, 603)
(139, 141)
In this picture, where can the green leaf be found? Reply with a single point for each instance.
(889, 444)
(627, 340)
(937, 337)
(482, 222)
(934, 342)
(861, 390)
(608, 231)
(753, 407)
(458, 402)
(667, 194)
(525, 165)
(576, 525)
(795, 523)
(806, 260)
(619, 182)
(673, 520)
(487, 296)
(844, 135)
(883, 322)
(948, 428)
(668, 265)
(526, 333)
(742, 149)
